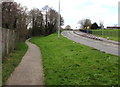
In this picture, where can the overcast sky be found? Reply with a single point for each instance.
(75, 10)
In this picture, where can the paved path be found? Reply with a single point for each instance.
(100, 45)
(30, 70)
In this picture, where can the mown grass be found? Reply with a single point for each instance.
(113, 34)
(12, 60)
(68, 63)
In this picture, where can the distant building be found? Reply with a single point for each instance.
(113, 27)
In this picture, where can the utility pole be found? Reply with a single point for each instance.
(119, 14)
(46, 20)
(1, 44)
(59, 21)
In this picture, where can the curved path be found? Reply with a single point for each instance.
(30, 69)
(100, 45)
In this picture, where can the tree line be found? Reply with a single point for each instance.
(35, 22)
(14, 17)
(86, 24)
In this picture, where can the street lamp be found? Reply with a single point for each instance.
(59, 20)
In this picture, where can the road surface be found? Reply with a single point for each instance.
(100, 45)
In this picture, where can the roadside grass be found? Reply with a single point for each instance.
(12, 60)
(113, 34)
(68, 63)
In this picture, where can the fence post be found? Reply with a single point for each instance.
(0, 56)
(7, 41)
(0, 44)
(13, 40)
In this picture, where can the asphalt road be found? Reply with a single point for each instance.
(100, 45)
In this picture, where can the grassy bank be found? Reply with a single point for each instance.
(12, 60)
(68, 63)
(113, 34)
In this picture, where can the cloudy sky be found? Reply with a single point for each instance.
(75, 10)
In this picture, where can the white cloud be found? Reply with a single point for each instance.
(96, 10)
(75, 10)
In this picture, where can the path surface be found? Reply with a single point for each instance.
(100, 45)
(30, 70)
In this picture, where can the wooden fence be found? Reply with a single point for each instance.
(9, 41)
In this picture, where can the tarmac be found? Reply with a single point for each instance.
(93, 41)
(95, 37)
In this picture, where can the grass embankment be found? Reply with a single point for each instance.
(12, 60)
(113, 34)
(68, 63)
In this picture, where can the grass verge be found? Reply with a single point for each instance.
(12, 60)
(68, 63)
(113, 34)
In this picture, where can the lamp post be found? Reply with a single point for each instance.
(59, 20)
(118, 22)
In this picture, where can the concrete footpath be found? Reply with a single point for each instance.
(30, 69)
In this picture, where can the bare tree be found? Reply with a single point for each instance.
(14, 17)
(51, 17)
(9, 15)
(22, 22)
(68, 27)
(101, 25)
(46, 9)
(37, 21)
(85, 23)
(52, 21)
